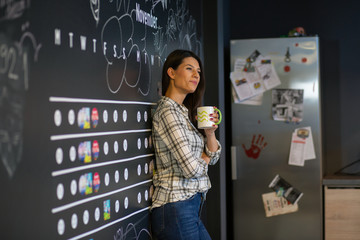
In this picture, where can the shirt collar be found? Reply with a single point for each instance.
(181, 107)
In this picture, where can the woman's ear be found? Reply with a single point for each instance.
(171, 72)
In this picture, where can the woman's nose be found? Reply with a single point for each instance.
(196, 74)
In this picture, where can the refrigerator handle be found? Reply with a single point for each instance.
(233, 163)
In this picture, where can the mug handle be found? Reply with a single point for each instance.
(220, 118)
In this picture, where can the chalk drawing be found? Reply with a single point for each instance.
(15, 59)
(130, 61)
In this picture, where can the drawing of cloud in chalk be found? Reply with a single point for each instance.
(127, 64)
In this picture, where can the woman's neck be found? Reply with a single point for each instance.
(177, 97)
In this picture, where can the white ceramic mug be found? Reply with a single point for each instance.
(203, 116)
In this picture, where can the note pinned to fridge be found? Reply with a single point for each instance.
(256, 100)
(267, 73)
(246, 84)
(252, 77)
(275, 205)
(302, 147)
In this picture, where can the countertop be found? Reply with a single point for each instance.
(341, 181)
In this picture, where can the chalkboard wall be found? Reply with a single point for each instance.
(78, 83)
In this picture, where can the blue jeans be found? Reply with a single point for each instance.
(179, 220)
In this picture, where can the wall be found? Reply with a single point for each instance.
(215, 211)
(336, 25)
(78, 83)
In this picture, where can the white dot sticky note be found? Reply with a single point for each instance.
(146, 143)
(117, 206)
(126, 174)
(139, 170)
(105, 116)
(145, 116)
(146, 195)
(117, 176)
(106, 148)
(139, 143)
(97, 214)
(74, 221)
(146, 168)
(124, 115)
(71, 117)
(139, 197)
(115, 116)
(138, 116)
(86, 217)
(107, 179)
(60, 191)
(125, 145)
(73, 187)
(57, 118)
(126, 202)
(116, 147)
(72, 153)
(61, 227)
(59, 155)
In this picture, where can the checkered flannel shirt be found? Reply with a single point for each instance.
(180, 170)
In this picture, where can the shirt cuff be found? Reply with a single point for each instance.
(213, 154)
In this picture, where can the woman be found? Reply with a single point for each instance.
(182, 152)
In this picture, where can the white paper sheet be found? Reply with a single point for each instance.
(297, 148)
(267, 72)
(241, 85)
(302, 146)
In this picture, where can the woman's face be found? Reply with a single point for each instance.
(187, 76)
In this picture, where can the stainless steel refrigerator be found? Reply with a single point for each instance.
(261, 142)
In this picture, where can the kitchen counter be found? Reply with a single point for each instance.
(341, 181)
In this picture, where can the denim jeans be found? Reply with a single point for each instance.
(179, 220)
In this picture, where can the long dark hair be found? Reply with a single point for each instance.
(192, 100)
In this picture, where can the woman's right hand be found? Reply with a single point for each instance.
(205, 157)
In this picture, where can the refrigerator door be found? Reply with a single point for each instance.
(261, 145)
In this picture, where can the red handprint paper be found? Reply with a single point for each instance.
(256, 147)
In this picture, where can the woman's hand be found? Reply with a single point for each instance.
(214, 117)
(210, 132)
(205, 157)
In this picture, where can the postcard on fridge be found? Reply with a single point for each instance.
(275, 205)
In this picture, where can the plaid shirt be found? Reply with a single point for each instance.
(180, 170)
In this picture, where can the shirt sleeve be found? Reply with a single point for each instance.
(172, 127)
(214, 156)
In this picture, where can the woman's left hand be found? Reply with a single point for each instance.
(212, 143)
(214, 117)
